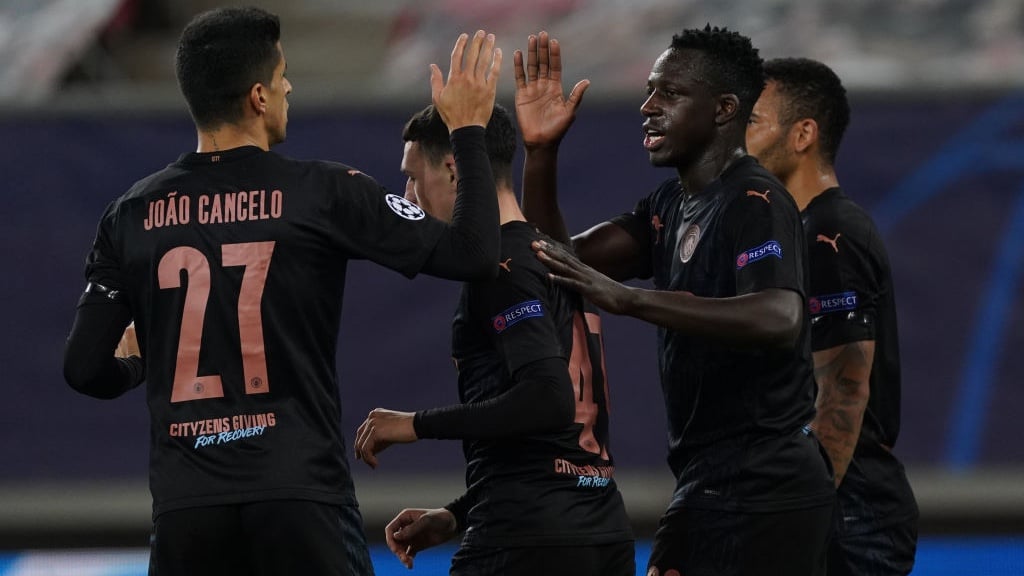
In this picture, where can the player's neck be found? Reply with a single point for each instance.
(228, 136)
(508, 206)
(709, 167)
(808, 182)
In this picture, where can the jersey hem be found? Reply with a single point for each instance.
(516, 541)
(753, 507)
(250, 497)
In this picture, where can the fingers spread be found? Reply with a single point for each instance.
(485, 57)
(576, 96)
(472, 56)
(492, 79)
(543, 54)
(554, 60)
(436, 82)
(531, 64)
(520, 72)
(457, 52)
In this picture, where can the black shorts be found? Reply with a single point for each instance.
(714, 542)
(603, 560)
(882, 551)
(260, 539)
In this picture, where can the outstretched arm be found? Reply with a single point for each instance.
(843, 375)
(469, 249)
(544, 117)
(767, 318)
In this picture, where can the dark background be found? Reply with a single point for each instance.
(943, 176)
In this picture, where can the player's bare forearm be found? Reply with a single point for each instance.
(540, 198)
(843, 376)
(770, 318)
(608, 249)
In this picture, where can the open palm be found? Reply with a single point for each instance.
(543, 113)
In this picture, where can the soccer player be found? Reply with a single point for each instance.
(232, 262)
(540, 495)
(724, 245)
(795, 131)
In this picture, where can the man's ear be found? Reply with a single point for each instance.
(805, 134)
(257, 99)
(453, 171)
(727, 108)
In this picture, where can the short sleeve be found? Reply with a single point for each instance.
(377, 225)
(638, 222)
(764, 232)
(103, 264)
(517, 316)
(844, 291)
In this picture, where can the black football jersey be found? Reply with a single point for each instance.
(554, 488)
(234, 264)
(736, 416)
(852, 299)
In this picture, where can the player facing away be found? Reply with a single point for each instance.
(541, 497)
(724, 246)
(232, 263)
(795, 131)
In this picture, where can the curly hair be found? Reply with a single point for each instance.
(810, 89)
(428, 129)
(731, 64)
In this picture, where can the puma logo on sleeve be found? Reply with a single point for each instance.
(830, 241)
(761, 195)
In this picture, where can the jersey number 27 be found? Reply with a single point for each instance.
(255, 256)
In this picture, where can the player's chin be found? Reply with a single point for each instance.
(660, 158)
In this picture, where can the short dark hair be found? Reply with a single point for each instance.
(810, 89)
(731, 64)
(221, 54)
(428, 129)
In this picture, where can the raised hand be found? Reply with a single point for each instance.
(415, 529)
(568, 270)
(467, 99)
(544, 115)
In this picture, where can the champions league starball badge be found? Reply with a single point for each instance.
(404, 208)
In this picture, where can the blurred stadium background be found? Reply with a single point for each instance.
(88, 105)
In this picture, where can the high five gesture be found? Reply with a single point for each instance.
(467, 98)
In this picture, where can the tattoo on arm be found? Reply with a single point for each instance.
(843, 374)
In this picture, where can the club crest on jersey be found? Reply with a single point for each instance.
(404, 208)
(769, 248)
(841, 302)
(689, 242)
(516, 314)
